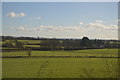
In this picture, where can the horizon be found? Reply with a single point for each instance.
(58, 38)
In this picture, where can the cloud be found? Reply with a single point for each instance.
(99, 21)
(21, 28)
(84, 27)
(92, 30)
(13, 14)
(45, 28)
(81, 23)
(37, 18)
(21, 14)
(102, 26)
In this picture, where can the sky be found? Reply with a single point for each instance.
(96, 20)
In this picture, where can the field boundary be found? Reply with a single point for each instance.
(55, 57)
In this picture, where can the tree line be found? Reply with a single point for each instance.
(64, 44)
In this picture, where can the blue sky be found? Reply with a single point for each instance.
(61, 19)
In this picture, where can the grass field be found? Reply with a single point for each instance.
(28, 41)
(61, 67)
(91, 52)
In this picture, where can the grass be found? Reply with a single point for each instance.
(30, 41)
(59, 68)
(33, 42)
(8, 48)
(92, 52)
(38, 46)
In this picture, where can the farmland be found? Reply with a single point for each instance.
(31, 67)
(59, 39)
(89, 52)
(25, 57)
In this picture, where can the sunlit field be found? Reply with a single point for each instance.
(89, 52)
(31, 67)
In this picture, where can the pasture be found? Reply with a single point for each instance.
(31, 67)
(89, 52)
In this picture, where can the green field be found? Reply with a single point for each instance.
(28, 41)
(61, 67)
(32, 43)
(91, 52)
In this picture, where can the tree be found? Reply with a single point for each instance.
(19, 44)
(71, 44)
(8, 44)
(97, 43)
(85, 42)
(50, 44)
(54, 44)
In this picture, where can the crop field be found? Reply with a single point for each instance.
(31, 67)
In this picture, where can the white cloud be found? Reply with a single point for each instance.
(85, 27)
(81, 23)
(21, 14)
(99, 21)
(37, 18)
(13, 14)
(21, 28)
(102, 26)
(92, 30)
(46, 28)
